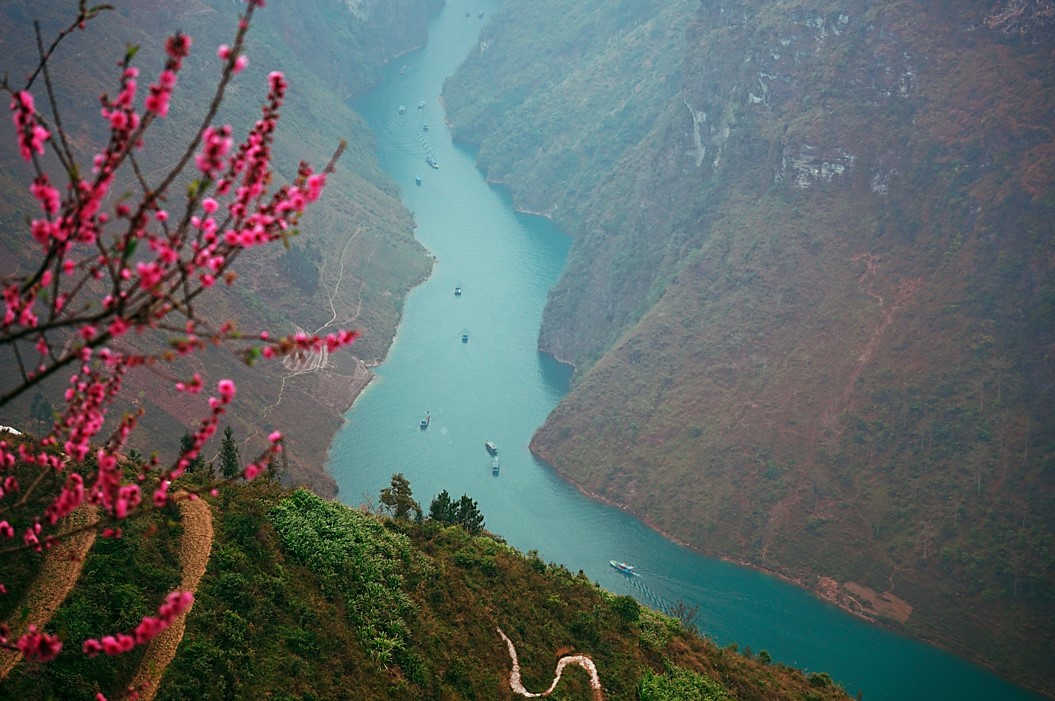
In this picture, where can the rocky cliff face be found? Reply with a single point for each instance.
(811, 296)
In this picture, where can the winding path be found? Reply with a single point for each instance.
(581, 660)
(58, 573)
(194, 549)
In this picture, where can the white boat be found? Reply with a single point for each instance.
(622, 567)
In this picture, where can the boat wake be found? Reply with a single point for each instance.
(646, 593)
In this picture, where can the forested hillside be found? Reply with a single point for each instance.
(305, 598)
(811, 299)
(357, 257)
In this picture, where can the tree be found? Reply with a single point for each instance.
(186, 444)
(464, 512)
(397, 499)
(274, 469)
(229, 465)
(467, 514)
(113, 276)
(627, 608)
(684, 613)
(442, 508)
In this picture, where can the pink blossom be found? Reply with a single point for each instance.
(178, 47)
(118, 327)
(148, 266)
(150, 274)
(315, 185)
(161, 494)
(35, 645)
(31, 135)
(45, 194)
(226, 389)
(176, 603)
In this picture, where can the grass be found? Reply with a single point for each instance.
(300, 593)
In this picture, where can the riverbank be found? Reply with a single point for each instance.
(880, 609)
(825, 588)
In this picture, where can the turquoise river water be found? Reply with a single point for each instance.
(497, 387)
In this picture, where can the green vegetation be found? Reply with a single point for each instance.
(680, 685)
(305, 598)
(465, 512)
(397, 500)
(230, 465)
(807, 300)
(353, 554)
(123, 579)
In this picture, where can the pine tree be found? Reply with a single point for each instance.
(467, 513)
(442, 508)
(185, 444)
(274, 468)
(229, 464)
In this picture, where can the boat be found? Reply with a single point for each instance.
(623, 567)
(465, 335)
(424, 127)
(491, 448)
(421, 105)
(425, 421)
(481, 15)
(494, 466)
(432, 161)
(402, 109)
(457, 292)
(417, 179)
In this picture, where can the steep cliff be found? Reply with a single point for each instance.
(811, 298)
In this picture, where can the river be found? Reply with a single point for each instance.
(496, 387)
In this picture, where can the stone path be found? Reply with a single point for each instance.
(581, 660)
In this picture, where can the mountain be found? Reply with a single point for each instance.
(357, 258)
(811, 297)
(305, 598)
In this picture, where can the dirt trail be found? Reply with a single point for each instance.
(61, 568)
(194, 549)
(581, 660)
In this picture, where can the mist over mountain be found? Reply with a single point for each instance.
(811, 300)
